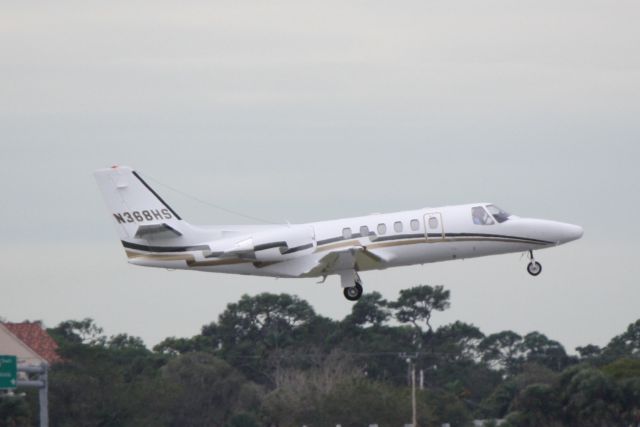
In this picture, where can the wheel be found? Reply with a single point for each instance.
(353, 293)
(534, 268)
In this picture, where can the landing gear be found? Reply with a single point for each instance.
(534, 268)
(351, 285)
(353, 293)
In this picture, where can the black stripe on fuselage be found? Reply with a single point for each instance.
(330, 240)
(156, 194)
(375, 239)
(265, 246)
(371, 235)
(338, 239)
(138, 247)
(391, 237)
(298, 248)
(498, 236)
(398, 237)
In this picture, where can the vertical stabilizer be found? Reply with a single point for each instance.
(134, 205)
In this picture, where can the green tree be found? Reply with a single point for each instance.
(501, 401)
(125, 342)
(502, 351)
(78, 332)
(626, 344)
(99, 385)
(416, 305)
(318, 371)
(457, 341)
(630, 389)
(622, 369)
(590, 398)
(244, 419)
(14, 412)
(266, 315)
(254, 332)
(441, 407)
(451, 361)
(537, 348)
(360, 402)
(208, 341)
(589, 352)
(626, 372)
(370, 310)
(298, 393)
(376, 349)
(537, 405)
(211, 392)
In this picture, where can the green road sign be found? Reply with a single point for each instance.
(8, 371)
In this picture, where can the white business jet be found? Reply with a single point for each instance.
(154, 235)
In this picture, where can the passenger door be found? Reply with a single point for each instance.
(433, 227)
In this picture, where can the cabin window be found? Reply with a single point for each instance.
(480, 216)
(382, 228)
(414, 224)
(346, 233)
(397, 227)
(364, 231)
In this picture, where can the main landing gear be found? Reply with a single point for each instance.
(534, 268)
(351, 285)
(353, 293)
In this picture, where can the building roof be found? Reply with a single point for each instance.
(36, 338)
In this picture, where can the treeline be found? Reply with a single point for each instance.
(271, 360)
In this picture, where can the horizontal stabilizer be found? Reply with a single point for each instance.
(157, 232)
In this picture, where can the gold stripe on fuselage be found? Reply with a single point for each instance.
(191, 261)
(213, 262)
(160, 257)
(343, 244)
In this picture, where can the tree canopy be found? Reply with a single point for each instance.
(271, 360)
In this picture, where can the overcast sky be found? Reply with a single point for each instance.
(301, 111)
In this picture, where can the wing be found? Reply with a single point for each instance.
(350, 258)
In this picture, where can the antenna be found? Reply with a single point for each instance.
(213, 205)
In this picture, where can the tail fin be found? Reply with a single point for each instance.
(138, 212)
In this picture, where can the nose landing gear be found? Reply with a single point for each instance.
(534, 268)
(352, 286)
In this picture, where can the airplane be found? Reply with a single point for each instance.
(154, 235)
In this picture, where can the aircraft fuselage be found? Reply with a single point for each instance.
(154, 235)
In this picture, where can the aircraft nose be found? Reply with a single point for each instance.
(570, 232)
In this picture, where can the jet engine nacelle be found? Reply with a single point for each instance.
(275, 245)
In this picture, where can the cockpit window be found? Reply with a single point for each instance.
(480, 216)
(498, 214)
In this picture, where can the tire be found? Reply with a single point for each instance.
(534, 268)
(353, 293)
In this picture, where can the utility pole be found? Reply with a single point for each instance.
(409, 358)
(413, 395)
